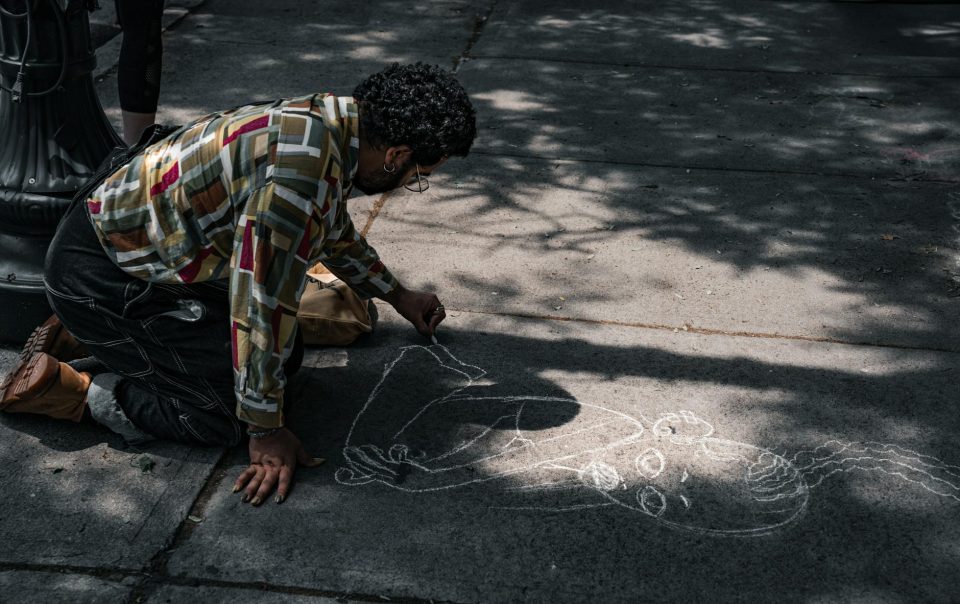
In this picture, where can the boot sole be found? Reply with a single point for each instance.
(17, 382)
(44, 338)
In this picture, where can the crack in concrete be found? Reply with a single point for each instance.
(480, 23)
(157, 567)
(293, 590)
(118, 574)
(108, 573)
(374, 212)
(687, 328)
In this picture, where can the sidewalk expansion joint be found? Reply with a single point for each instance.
(706, 331)
(118, 574)
(340, 596)
(374, 212)
(175, 23)
(157, 567)
(99, 572)
(679, 67)
(480, 22)
(616, 162)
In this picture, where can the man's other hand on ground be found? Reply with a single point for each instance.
(273, 461)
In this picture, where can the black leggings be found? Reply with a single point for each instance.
(138, 74)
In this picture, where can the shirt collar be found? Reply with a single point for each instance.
(351, 128)
(344, 112)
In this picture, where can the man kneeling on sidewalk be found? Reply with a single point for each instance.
(180, 267)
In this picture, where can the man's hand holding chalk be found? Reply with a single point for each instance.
(422, 309)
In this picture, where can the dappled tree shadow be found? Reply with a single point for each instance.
(821, 161)
(810, 186)
(839, 181)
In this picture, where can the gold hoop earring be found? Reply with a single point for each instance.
(392, 169)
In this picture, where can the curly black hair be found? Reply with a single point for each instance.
(418, 105)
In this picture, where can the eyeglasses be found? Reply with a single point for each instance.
(417, 183)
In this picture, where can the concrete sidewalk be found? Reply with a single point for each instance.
(703, 273)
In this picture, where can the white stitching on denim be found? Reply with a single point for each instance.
(77, 299)
(106, 344)
(185, 421)
(225, 408)
(209, 403)
(173, 351)
(213, 393)
(179, 361)
(150, 367)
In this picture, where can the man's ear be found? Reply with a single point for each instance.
(399, 155)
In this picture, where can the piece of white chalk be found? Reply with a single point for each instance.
(434, 340)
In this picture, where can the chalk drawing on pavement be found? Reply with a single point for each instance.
(672, 469)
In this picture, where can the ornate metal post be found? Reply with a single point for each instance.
(53, 135)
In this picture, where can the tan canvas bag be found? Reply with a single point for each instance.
(330, 313)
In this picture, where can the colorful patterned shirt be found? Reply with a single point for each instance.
(255, 195)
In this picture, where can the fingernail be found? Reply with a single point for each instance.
(279, 499)
(236, 489)
(245, 499)
(256, 501)
(318, 460)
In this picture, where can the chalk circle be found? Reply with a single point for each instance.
(601, 476)
(737, 489)
(683, 428)
(652, 501)
(650, 463)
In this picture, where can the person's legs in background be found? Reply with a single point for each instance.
(138, 73)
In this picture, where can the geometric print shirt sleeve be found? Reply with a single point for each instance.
(298, 217)
(267, 272)
(356, 263)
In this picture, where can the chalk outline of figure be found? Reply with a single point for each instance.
(368, 463)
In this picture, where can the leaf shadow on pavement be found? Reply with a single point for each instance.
(733, 133)
(819, 192)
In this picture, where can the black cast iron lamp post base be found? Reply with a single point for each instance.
(53, 135)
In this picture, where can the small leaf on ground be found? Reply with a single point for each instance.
(145, 463)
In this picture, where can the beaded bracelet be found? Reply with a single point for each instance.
(258, 434)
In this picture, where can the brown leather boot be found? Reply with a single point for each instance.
(54, 339)
(46, 386)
